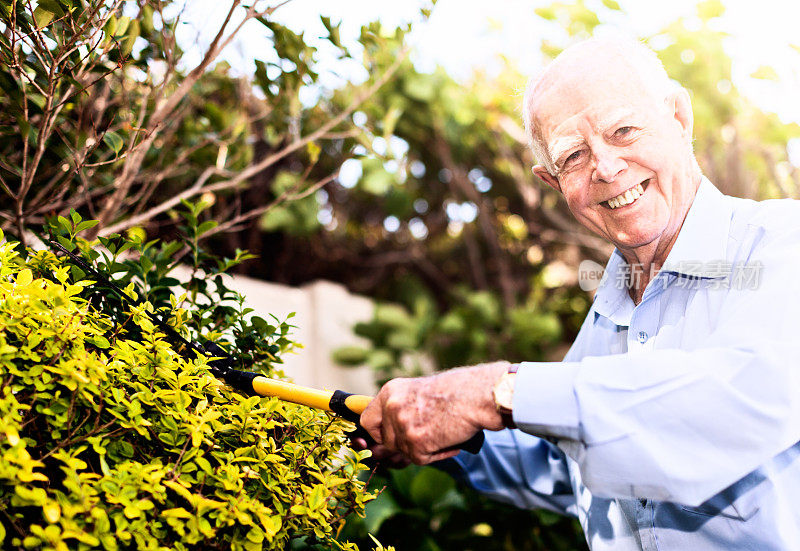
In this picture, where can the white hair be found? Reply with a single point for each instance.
(643, 61)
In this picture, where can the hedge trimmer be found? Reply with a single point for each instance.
(221, 363)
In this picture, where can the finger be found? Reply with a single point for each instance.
(371, 420)
(401, 439)
(382, 453)
(399, 461)
(439, 456)
(388, 435)
(358, 443)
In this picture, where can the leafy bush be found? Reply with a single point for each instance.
(110, 438)
(405, 339)
(422, 508)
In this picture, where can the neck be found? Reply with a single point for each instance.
(645, 265)
(646, 261)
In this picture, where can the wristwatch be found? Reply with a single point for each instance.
(504, 395)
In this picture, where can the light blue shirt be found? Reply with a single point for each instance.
(675, 421)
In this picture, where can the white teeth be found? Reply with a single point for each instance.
(626, 198)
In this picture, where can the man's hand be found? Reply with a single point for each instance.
(423, 416)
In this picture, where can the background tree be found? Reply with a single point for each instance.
(102, 115)
(110, 438)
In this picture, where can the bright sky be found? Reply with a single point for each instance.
(463, 35)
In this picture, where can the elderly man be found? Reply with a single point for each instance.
(674, 420)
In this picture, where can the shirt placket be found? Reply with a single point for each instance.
(644, 522)
(643, 328)
(641, 338)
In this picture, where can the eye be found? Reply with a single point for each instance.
(572, 157)
(623, 131)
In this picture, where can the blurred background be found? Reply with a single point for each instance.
(371, 156)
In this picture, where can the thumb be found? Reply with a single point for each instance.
(371, 420)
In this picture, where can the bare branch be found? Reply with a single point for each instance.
(134, 161)
(328, 126)
(6, 188)
(288, 195)
(260, 166)
(196, 189)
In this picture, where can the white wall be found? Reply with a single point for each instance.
(325, 313)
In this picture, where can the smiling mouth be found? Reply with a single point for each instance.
(626, 198)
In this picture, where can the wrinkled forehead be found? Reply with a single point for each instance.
(588, 89)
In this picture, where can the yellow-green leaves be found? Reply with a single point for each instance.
(109, 438)
(24, 278)
(42, 17)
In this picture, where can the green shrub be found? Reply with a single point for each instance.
(423, 509)
(109, 438)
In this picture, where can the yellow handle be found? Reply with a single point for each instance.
(306, 396)
(357, 402)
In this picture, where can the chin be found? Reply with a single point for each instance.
(634, 240)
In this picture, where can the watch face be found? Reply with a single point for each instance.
(504, 392)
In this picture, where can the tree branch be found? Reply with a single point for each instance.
(254, 169)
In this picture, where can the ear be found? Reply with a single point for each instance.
(546, 177)
(680, 104)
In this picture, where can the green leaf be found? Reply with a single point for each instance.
(29, 130)
(350, 355)
(429, 486)
(99, 341)
(206, 226)
(113, 140)
(130, 38)
(378, 510)
(42, 17)
(85, 225)
(122, 26)
(326, 22)
(65, 224)
(377, 182)
(53, 6)
(765, 72)
(546, 13)
(710, 9)
(110, 27)
(420, 87)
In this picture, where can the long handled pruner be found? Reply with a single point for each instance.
(348, 406)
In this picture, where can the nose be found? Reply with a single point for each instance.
(608, 165)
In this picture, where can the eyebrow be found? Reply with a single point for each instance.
(560, 146)
(615, 118)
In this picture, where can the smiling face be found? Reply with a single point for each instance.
(623, 158)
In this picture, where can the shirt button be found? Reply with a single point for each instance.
(642, 337)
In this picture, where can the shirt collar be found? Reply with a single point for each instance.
(698, 251)
(703, 240)
(612, 300)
